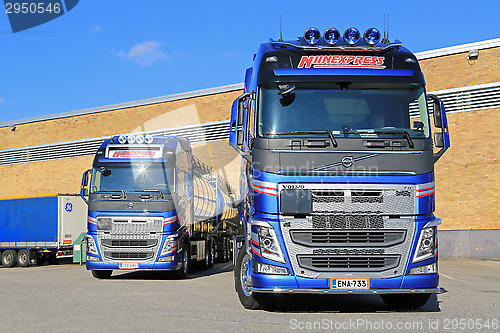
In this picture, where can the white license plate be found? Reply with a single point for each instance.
(350, 283)
(128, 265)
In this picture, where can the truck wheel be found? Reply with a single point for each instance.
(183, 272)
(221, 258)
(23, 258)
(102, 274)
(241, 278)
(8, 258)
(209, 260)
(405, 301)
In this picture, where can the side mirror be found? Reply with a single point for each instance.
(84, 191)
(238, 122)
(441, 139)
(436, 108)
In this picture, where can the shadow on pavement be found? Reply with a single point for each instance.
(343, 304)
(196, 272)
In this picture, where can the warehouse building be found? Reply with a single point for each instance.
(48, 154)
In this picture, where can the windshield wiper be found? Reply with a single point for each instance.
(160, 192)
(117, 191)
(329, 133)
(403, 132)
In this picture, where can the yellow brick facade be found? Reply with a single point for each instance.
(466, 176)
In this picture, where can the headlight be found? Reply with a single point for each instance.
(268, 241)
(104, 223)
(91, 246)
(169, 245)
(426, 244)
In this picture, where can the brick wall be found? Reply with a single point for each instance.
(466, 176)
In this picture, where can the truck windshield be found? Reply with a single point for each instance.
(344, 107)
(132, 177)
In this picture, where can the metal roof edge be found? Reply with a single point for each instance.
(486, 44)
(141, 102)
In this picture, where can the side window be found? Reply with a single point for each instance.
(251, 120)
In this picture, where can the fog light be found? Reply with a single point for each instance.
(167, 258)
(426, 269)
(91, 258)
(269, 269)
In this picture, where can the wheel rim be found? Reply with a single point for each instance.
(8, 258)
(244, 276)
(23, 258)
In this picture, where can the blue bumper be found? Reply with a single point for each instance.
(287, 284)
(164, 266)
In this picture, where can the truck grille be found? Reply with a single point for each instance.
(129, 255)
(348, 263)
(347, 222)
(129, 243)
(326, 238)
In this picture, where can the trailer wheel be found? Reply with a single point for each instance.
(102, 274)
(23, 258)
(8, 258)
(405, 301)
(182, 272)
(209, 260)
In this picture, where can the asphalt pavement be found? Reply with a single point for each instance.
(66, 297)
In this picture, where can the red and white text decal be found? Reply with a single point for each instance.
(340, 61)
(133, 154)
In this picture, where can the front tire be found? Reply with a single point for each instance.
(405, 301)
(8, 258)
(102, 274)
(183, 272)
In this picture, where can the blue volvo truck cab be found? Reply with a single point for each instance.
(337, 172)
(153, 206)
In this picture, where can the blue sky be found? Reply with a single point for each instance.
(111, 51)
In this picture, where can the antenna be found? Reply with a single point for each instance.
(385, 38)
(387, 27)
(281, 31)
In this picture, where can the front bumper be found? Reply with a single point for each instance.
(264, 283)
(165, 266)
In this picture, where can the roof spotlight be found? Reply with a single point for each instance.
(130, 139)
(352, 36)
(312, 36)
(371, 36)
(148, 139)
(331, 36)
(139, 139)
(122, 139)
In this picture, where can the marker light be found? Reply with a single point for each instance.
(331, 36)
(312, 36)
(352, 36)
(371, 36)
(148, 139)
(122, 139)
(139, 139)
(130, 139)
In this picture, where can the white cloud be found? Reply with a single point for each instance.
(145, 53)
(95, 29)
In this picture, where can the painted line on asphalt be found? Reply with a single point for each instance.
(223, 268)
(449, 277)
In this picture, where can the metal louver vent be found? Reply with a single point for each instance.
(198, 133)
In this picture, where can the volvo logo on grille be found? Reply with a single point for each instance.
(347, 161)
